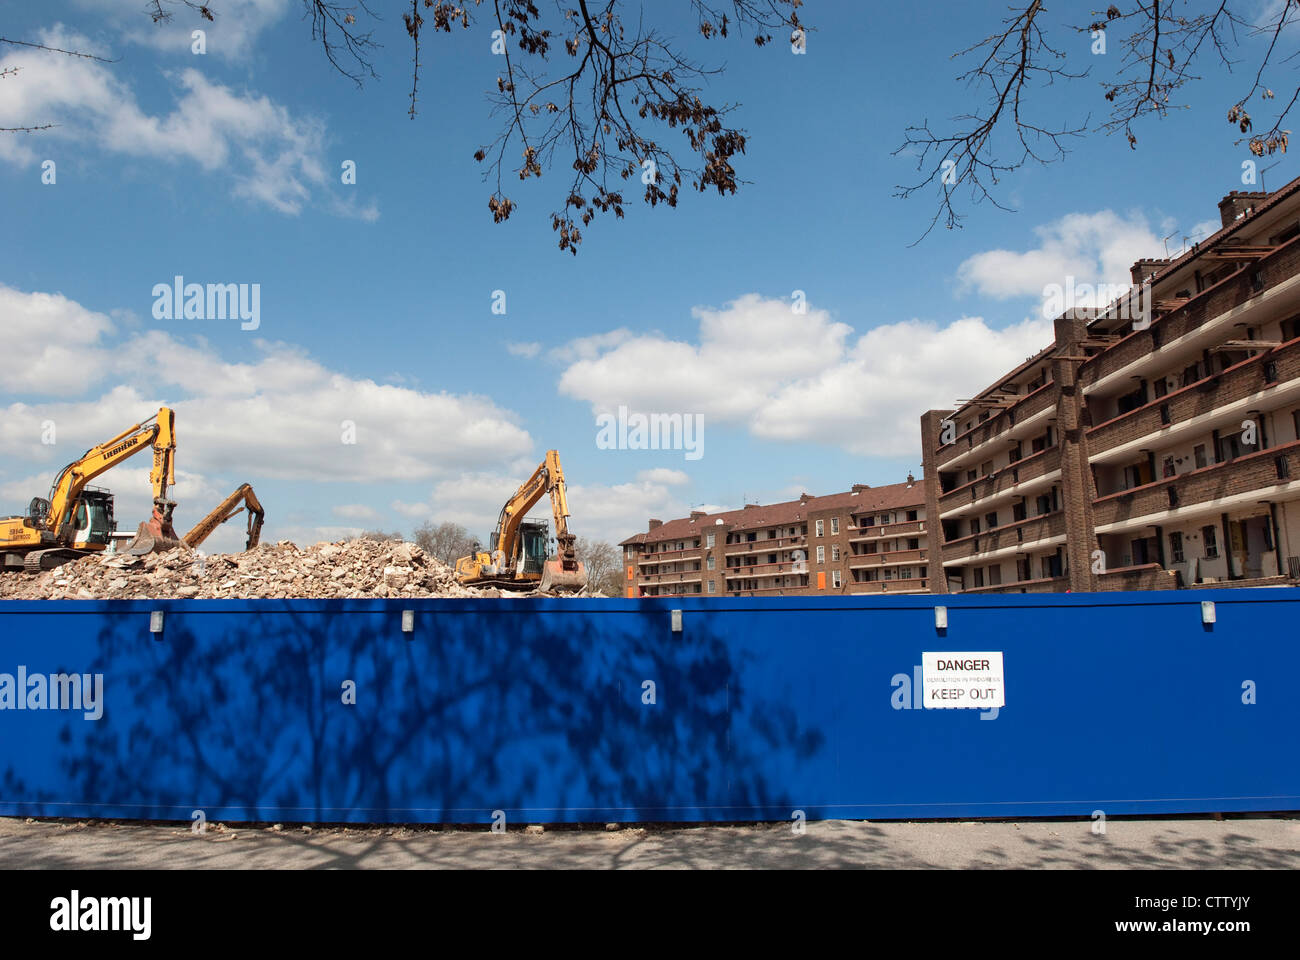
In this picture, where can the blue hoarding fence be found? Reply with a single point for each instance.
(541, 710)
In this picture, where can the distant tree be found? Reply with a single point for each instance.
(1145, 52)
(446, 541)
(379, 535)
(604, 563)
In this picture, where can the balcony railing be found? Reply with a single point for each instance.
(758, 546)
(1255, 472)
(665, 556)
(888, 558)
(914, 585)
(1006, 478)
(902, 529)
(1028, 531)
(1031, 403)
(1249, 377)
(1208, 305)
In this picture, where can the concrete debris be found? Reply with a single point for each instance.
(353, 569)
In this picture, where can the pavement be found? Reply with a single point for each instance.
(1269, 842)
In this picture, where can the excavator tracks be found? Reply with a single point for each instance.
(38, 561)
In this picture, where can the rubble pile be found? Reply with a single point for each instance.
(351, 569)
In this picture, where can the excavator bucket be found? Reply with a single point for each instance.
(556, 579)
(156, 535)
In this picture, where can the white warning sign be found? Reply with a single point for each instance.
(956, 680)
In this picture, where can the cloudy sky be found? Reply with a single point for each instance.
(376, 317)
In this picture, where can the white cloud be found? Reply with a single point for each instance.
(282, 413)
(1091, 247)
(356, 511)
(665, 476)
(270, 156)
(588, 348)
(59, 338)
(231, 34)
(743, 349)
(785, 376)
(528, 350)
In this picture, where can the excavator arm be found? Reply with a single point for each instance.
(564, 571)
(159, 432)
(232, 506)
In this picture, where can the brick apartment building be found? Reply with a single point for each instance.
(1149, 454)
(866, 540)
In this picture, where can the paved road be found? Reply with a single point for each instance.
(1244, 842)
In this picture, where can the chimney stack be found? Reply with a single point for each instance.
(1238, 204)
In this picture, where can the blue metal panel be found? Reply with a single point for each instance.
(1120, 702)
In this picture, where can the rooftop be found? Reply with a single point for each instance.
(861, 499)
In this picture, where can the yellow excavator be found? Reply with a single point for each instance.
(518, 558)
(235, 504)
(77, 519)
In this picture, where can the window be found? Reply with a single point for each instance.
(821, 552)
(974, 525)
(904, 573)
(1211, 538)
(1167, 467)
(710, 539)
(835, 554)
(991, 519)
(821, 527)
(995, 576)
(835, 578)
(1198, 455)
(713, 586)
(911, 515)
(711, 563)
(1176, 547)
(871, 521)
(979, 576)
(835, 525)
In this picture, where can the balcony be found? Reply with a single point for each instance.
(668, 556)
(1207, 491)
(1147, 576)
(1039, 585)
(914, 585)
(1011, 536)
(1003, 481)
(907, 528)
(1248, 380)
(768, 569)
(891, 558)
(760, 546)
(682, 576)
(1212, 304)
(1044, 398)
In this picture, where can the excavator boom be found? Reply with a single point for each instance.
(235, 504)
(48, 535)
(508, 564)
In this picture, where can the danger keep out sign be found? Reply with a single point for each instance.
(956, 680)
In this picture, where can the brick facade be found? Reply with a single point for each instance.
(865, 540)
(1139, 452)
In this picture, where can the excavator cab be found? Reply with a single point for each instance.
(532, 556)
(93, 519)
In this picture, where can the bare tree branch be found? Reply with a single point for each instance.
(1162, 42)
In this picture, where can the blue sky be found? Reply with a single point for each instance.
(376, 298)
